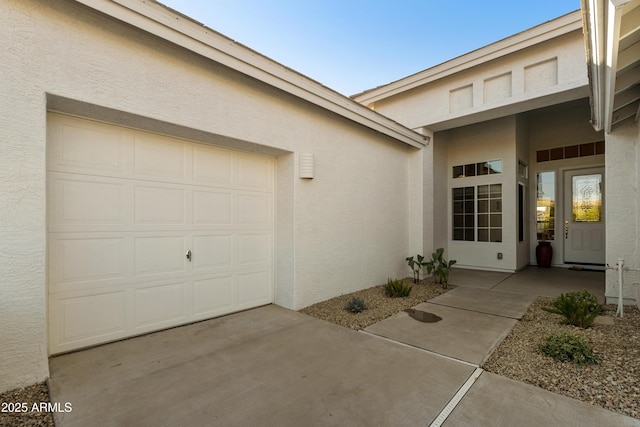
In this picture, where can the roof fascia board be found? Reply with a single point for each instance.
(162, 22)
(541, 33)
(612, 39)
(594, 27)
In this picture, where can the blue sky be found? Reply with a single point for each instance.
(354, 45)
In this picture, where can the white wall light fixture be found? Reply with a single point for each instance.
(307, 166)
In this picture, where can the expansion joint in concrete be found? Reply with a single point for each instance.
(455, 400)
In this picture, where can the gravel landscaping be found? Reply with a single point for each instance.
(35, 394)
(614, 383)
(380, 306)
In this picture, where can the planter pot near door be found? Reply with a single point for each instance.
(544, 253)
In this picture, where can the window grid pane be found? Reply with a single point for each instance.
(477, 169)
(463, 213)
(490, 212)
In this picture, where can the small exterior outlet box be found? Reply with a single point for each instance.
(499, 255)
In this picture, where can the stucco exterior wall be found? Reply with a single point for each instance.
(623, 219)
(539, 74)
(441, 191)
(347, 229)
(493, 140)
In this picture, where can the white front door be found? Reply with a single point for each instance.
(148, 232)
(584, 222)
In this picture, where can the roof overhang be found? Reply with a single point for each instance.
(170, 25)
(612, 41)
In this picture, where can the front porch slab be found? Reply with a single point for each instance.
(498, 303)
(477, 278)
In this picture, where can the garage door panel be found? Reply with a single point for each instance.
(159, 206)
(213, 296)
(212, 251)
(157, 306)
(254, 288)
(254, 249)
(212, 165)
(86, 146)
(254, 210)
(158, 157)
(86, 320)
(212, 208)
(255, 172)
(159, 255)
(78, 260)
(86, 202)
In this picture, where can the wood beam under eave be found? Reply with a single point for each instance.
(630, 24)
(627, 97)
(624, 113)
(622, 123)
(628, 79)
(629, 57)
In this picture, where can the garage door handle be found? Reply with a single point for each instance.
(189, 255)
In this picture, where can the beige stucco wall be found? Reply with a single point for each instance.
(540, 75)
(349, 228)
(623, 219)
(493, 140)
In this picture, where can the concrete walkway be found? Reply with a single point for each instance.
(274, 367)
(474, 321)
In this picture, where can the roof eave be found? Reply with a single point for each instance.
(163, 22)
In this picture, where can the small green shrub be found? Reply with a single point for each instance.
(440, 267)
(397, 288)
(356, 305)
(579, 308)
(569, 348)
(416, 265)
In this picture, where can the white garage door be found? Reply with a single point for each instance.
(147, 232)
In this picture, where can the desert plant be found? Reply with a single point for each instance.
(397, 288)
(416, 265)
(356, 305)
(440, 267)
(566, 347)
(579, 308)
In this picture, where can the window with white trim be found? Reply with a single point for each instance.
(477, 213)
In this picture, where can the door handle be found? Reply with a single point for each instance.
(189, 254)
(566, 229)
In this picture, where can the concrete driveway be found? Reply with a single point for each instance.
(275, 367)
(264, 367)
